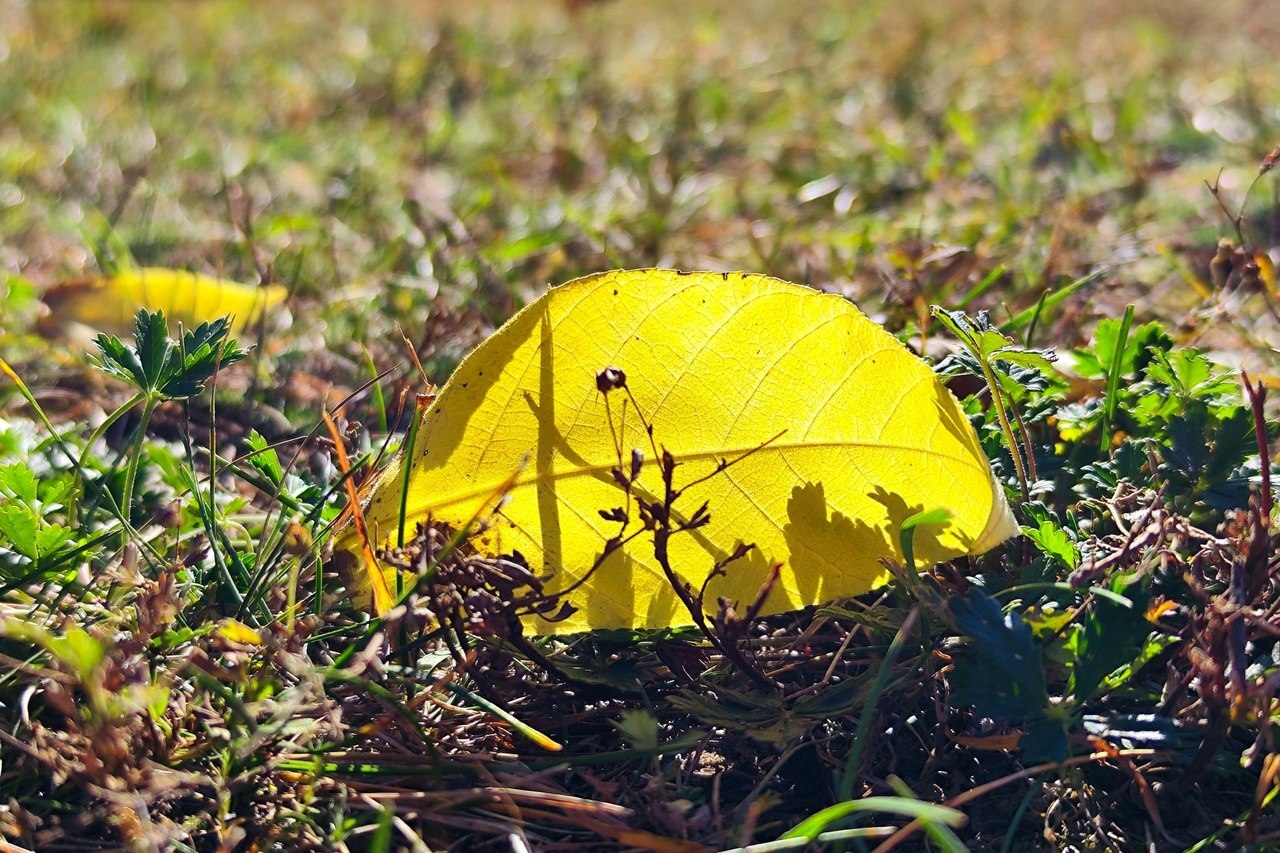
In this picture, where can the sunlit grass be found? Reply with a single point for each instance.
(420, 170)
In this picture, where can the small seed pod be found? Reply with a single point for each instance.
(1251, 277)
(1270, 161)
(610, 379)
(1223, 260)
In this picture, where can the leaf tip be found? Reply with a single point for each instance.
(1001, 524)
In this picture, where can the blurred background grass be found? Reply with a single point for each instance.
(429, 167)
(434, 165)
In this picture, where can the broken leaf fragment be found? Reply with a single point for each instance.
(108, 304)
(841, 434)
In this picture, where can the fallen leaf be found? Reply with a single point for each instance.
(719, 364)
(236, 631)
(109, 304)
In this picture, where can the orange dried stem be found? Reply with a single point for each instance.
(382, 601)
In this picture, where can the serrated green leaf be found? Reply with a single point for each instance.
(120, 361)
(1086, 364)
(18, 525)
(1127, 348)
(152, 344)
(57, 490)
(51, 538)
(880, 622)
(1053, 541)
(638, 728)
(79, 651)
(1004, 676)
(204, 336)
(1191, 373)
(991, 342)
(844, 698)
(1109, 636)
(1188, 440)
(1038, 360)
(204, 352)
(1233, 440)
(977, 332)
(175, 638)
(159, 367)
(18, 481)
(760, 719)
(263, 458)
(956, 322)
(1155, 644)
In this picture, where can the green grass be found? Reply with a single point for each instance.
(428, 172)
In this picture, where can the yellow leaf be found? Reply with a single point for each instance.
(109, 304)
(238, 632)
(719, 364)
(1266, 271)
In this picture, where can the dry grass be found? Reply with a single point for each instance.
(425, 171)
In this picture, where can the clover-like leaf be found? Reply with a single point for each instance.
(162, 368)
